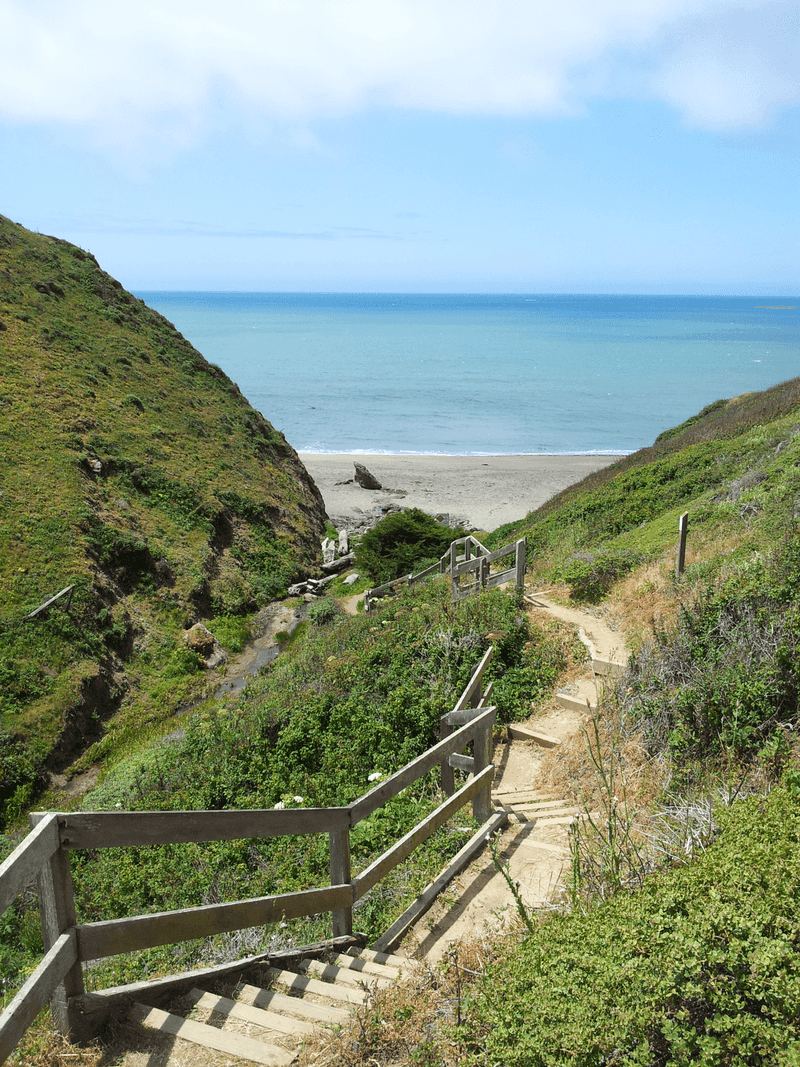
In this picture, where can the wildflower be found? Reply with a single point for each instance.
(118, 805)
(279, 806)
(297, 800)
(375, 776)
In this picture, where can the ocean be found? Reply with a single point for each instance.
(485, 374)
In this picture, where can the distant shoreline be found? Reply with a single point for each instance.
(485, 491)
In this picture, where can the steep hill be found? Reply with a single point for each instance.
(137, 472)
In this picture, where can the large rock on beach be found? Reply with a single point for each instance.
(365, 479)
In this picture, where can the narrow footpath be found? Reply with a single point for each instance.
(535, 844)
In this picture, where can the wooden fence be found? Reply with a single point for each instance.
(44, 856)
(468, 563)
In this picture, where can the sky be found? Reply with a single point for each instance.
(581, 146)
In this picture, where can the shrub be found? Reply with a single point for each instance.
(323, 611)
(590, 575)
(698, 966)
(402, 543)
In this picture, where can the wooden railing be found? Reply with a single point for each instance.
(465, 558)
(44, 856)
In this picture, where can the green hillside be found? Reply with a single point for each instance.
(734, 467)
(137, 472)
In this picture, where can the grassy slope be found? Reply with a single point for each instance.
(199, 507)
(734, 468)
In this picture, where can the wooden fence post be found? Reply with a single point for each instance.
(520, 564)
(683, 525)
(339, 844)
(482, 755)
(57, 915)
(483, 573)
(448, 780)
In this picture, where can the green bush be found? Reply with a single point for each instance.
(698, 966)
(590, 575)
(402, 544)
(321, 612)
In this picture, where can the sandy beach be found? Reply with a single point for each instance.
(483, 491)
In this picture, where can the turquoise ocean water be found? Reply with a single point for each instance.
(473, 374)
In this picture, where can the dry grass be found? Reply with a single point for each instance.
(44, 1047)
(418, 1019)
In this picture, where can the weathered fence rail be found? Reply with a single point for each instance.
(466, 557)
(44, 855)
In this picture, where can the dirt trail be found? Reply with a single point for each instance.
(535, 844)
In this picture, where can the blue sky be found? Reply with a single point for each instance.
(616, 146)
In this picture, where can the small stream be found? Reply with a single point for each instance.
(263, 650)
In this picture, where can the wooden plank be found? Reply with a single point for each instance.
(339, 861)
(521, 732)
(112, 829)
(305, 984)
(501, 578)
(270, 1020)
(421, 832)
(483, 702)
(36, 992)
(368, 803)
(296, 1006)
(97, 940)
(545, 846)
(465, 700)
(20, 868)
(229, 1042)
(498, 553)
(52, 600)
(484, 551)
(467, 566)
(461, 763)
(367, 966)
(155, 987)
(475, 844)
(460, 718)
(403, 963)
(425, 574)
(344, 975)
(57, 916)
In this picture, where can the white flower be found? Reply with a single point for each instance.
(375, 776)
(118, 804)
(279, 806)
(297, 800)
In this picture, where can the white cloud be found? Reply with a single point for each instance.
(158, 72)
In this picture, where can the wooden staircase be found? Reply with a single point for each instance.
(268, 1026)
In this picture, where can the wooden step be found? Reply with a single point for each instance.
(302, 983)
(229, 1042)
(545, 846)
(345, 975)
(270, 1020)
(402, 963)
(564, 820)
(296, 1006)
(522, 732)
(608, 668)
(538, 805)
(576, 702)
(529, 794)
(367, 967)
